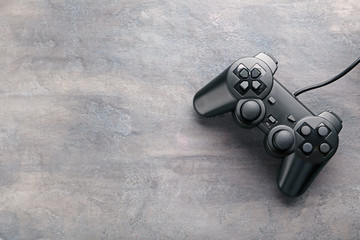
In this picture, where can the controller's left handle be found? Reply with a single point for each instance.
(215, 98)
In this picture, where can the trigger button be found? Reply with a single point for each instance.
(272, 57)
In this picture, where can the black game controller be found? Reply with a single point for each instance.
(305, 141)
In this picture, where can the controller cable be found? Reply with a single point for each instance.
(331, 80)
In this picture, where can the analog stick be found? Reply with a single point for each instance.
(250, 110)
(283, 140)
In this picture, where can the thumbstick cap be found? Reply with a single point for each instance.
(283, 140)
(250, 110)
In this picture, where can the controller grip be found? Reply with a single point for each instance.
(296, 175)
(215, 98)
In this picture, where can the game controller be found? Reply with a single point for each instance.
(304, 141)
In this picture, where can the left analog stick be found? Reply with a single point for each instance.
(250, 110)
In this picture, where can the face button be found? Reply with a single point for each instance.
(283, 140)
(244, 85)
(244, 73)
(305, 130)
(324, 148)
(250, 110)
(291, 118)
(272, 100)
(272, 119)
(256, 84)
(255, 73)
(307, 148)
(323, 131)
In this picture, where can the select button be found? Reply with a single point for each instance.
(272, 119)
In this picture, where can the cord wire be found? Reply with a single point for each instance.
(331, 80)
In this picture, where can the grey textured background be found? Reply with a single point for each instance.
(99, 139)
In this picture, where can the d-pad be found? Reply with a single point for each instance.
(249, 79)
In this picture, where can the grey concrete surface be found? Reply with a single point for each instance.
(98, 138)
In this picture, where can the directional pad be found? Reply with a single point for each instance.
(249, 79)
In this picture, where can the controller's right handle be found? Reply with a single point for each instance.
(296, 175)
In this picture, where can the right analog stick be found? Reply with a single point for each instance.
(250, 110)
(283, 140)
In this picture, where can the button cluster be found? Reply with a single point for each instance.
(249, 79)
(314, 139)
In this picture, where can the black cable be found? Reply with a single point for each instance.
(331, 80)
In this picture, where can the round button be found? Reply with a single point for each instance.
(283, 140)
(307, 148)
(250, 110)
(324, 148)
(305, 130)
(323, 131)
